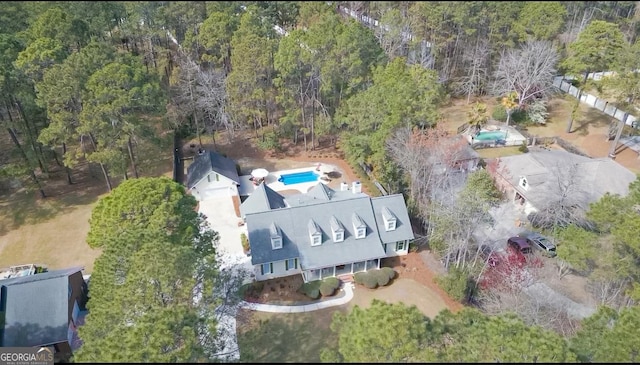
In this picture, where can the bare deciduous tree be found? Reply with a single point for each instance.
(211, 95)
(475, 78)
(566, 198)
(528, 71)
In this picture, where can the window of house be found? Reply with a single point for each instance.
(291, 264)
(523, 183)
(400, 246)
(276, 242)
(360, 232)
(338, 236)
(267, 268)
(316, 240)
(391, 225)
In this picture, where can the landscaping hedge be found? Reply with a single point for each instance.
(391, 273)
(359, 277)
(311, 289)
(370, 281)
(326, 289)
(332, 282)
(381, 276)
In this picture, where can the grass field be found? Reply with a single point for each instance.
(53, 231)
(300, 337)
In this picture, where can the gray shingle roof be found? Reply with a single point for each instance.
(592, 179)
(211, 161)
(262, 199)
(325, 215)
(318, 194)
(36, 308)
(396, 206)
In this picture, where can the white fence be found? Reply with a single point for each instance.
(593, 101)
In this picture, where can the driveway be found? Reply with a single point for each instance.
(222, 218)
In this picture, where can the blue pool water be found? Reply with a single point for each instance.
(299, 177)
(489, 135)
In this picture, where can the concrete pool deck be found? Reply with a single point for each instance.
(513, 137)
(247, 187)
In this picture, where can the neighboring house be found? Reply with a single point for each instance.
(536, 178)
(455, 154)
(42, 310)
(324, 232)
(212, 174)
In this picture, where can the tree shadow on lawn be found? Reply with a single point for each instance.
(26, 207)
(285, 337)
(591, 118)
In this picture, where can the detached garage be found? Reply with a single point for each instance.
(212, 175)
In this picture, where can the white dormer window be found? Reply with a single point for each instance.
(358, 226)
(523, 183)
(315, 234)
(276, 237)
(337, 229)
(276, 243)
(389, 219)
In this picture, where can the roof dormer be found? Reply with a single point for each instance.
(315, 234)
(359, 227)
(389, 219)
(337, 229)
(276, 237)
(523, 183)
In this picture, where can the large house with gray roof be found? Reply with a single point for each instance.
(536, 179)
(43, 310)
(324, 232)
(212, 174)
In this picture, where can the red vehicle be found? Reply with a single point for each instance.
(520, 247)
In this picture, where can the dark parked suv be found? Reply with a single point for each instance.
(540, 242)
(520, 246)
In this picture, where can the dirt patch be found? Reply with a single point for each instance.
(573, 286)
(244, 151)
(402, 290)
(281, 291)
(413, 266)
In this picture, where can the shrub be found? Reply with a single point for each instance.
(457, 284)
(523, 148)
(382, 277)
(499, 113)
(332, 282)
(326, 289)
(311, 289)
(313, 293)
(391, 273)
(370, 280)
(359, 277)
(245, 242)
(517, 116)
(269, 141)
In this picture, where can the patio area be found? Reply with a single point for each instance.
(499, 135)
(247, 186)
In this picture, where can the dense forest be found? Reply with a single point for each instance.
(93, 83)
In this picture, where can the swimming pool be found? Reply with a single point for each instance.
(490, 135)
(298, 177)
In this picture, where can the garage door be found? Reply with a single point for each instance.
(215, 192)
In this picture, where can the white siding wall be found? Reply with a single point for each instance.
(223, 186)
(278, 271)
(390, 249)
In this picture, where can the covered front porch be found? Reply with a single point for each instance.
(338, 270)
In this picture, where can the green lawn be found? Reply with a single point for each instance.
(292, 337)
(498, 152)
